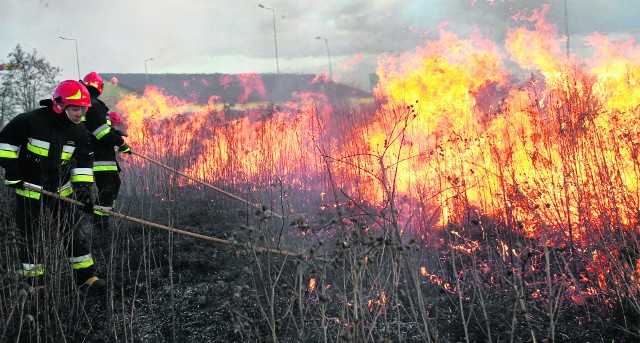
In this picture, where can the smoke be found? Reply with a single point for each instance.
(207, 36)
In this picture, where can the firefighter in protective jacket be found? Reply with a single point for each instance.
(49, 147)
(105, 139)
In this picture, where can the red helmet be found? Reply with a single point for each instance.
(94, 80)
(70, 92)
(114, 117)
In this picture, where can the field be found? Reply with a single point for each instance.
(303, 260)
(464, 205)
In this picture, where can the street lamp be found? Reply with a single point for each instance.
(77, 59)
(275, 40)
(326, 43)
(146, 75)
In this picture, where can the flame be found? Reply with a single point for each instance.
(351, 64)
(249, 82)
(454, 133)
(312, 285)
(537, 49)
(435, 280)
(380, 301)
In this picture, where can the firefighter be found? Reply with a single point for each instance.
(105, 140)
(50, 147)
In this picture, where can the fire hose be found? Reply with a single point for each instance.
(259, 206)
(39, 189)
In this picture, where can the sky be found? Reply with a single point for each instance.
(216, 36)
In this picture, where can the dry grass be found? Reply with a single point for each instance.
(551, 255)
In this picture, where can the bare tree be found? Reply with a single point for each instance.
(22, 89)
(7, 105)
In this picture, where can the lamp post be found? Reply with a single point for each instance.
(146, 75)
(326, 43)
(77, 59)
(275, 39)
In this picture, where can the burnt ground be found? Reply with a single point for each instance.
(170, 287)
(162, 287)
(194, 290)
(183, 289)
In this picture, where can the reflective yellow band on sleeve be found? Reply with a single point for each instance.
(32, 269)
(67, 151)
(82, 175)
(27, 193)
(66, 190)
(82, 178)
(101, 131)
(82, 265)
(99, 166)
(105, 168)
(8, 150)
(38, 147)
(31, 273)
(8, 154)
(81, 262)
(103, 208)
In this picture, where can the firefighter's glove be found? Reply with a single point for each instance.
(17, 184)
(124, 148)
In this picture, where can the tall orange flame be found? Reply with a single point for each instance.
(455, 136)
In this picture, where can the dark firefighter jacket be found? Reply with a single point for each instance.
(104, 138)
(47, 149)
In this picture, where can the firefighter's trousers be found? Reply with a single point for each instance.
(108, 184)
(49, 231)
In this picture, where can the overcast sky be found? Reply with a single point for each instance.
(209, 36)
